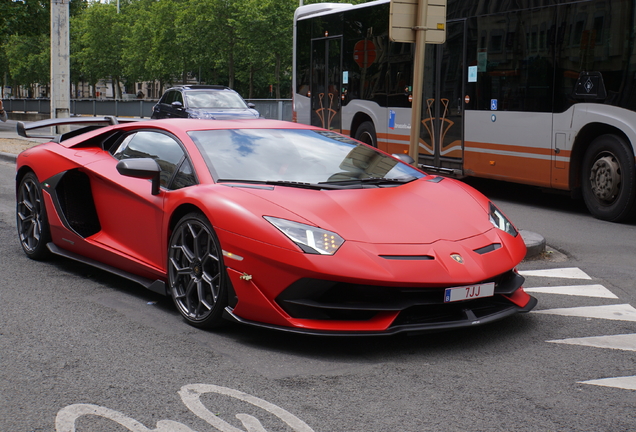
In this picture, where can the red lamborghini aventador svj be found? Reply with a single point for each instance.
(269, 223)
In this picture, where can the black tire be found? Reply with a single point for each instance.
(33, 226)
(366, 134)
(609, 179)
(196, 274)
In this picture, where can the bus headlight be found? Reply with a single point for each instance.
(501, 222)
(309, 238)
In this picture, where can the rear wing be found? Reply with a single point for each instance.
(91, 122)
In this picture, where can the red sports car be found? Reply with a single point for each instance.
(270, 223)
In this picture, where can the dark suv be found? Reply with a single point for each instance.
(203, 102)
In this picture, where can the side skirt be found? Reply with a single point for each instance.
(155, 286)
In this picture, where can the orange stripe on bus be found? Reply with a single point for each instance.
(518, 169)
(507, 148)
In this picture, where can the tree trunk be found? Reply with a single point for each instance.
(231, 67)
(251, 91)
(277, 75)
(116, 88)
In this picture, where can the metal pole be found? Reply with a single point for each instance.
(60, 63)
(418, 81)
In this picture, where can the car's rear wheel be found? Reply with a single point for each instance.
(366, 134)
(196, 274)
(33, 227)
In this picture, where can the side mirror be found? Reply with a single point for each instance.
(251, 105)
(177, 105)
(143, 168)
(404, 158)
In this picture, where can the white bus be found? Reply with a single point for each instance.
(539, 92)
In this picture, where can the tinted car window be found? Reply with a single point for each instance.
(167, 98)
(160, 147)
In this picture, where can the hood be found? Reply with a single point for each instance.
(419, 212)
(222, 113)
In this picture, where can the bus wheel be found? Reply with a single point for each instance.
(366, 134)
(609, 179)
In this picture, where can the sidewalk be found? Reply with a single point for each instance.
(11, 143)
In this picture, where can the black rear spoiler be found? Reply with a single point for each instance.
(23, 128)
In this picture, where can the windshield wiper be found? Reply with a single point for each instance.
(301, 185)
(376, 181)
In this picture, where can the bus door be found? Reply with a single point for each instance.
(325, 89)
(441, 132)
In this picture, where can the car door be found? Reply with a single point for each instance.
(160, 109)
(131, 217)
(176, 110)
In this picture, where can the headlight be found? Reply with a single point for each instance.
(309, 238)
(498, 220)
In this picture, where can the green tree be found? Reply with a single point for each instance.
(28, 59)
(266, 43)
(156, 44)
(97, 31)
(25, 27)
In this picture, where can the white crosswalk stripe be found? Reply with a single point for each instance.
(621, 342)
(621, 312)
(628, 382)
(565, 273)
(575, 290)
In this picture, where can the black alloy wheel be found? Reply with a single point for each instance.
(609, 179)
(33, 227)
(196, 274)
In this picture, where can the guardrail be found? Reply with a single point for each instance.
(277, 109)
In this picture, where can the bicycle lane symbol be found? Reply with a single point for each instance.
(190, 395)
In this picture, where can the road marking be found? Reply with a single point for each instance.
(566, 273)
(625, 342)
(628, 382)
(620, 312)
(575, 290)
(190, 396)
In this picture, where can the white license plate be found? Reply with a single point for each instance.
(469, 292)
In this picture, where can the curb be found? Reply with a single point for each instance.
(10, 157)
(535, 243)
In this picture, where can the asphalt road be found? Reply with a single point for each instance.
(82, 348)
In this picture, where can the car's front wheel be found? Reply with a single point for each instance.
(196, 274)
(33, 227)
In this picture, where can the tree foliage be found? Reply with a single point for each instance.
(245, 44)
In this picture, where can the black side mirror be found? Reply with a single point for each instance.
(177, 105)
(143, 168)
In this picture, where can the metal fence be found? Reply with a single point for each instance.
(277, 109)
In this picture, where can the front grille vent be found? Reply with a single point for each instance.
(489, 248)
(408, 257)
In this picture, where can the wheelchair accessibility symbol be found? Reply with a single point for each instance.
(493, 104)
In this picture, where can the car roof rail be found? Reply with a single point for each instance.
(24, 128)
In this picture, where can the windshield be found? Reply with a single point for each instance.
(289, 155)
(214, 99)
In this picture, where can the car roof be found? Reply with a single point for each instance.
(199, 87)
(187, 124)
